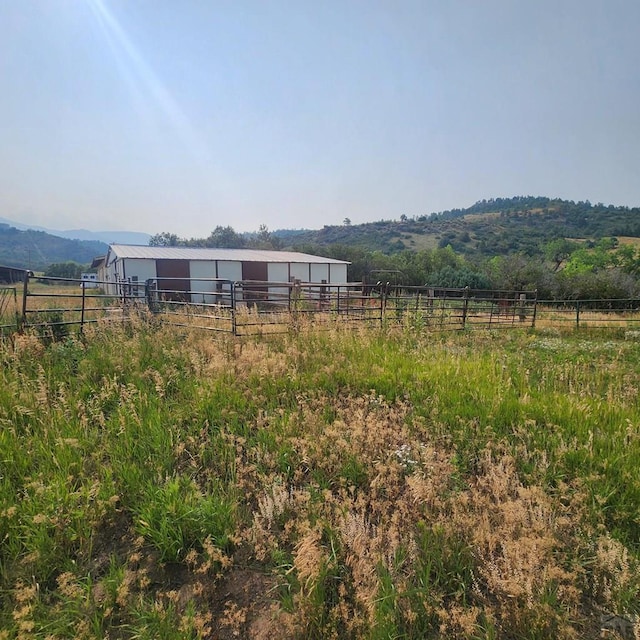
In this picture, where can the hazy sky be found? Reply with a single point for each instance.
(180, 115)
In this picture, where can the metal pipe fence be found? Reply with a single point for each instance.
(251, 306)
(463, 308)
(56, 305)
(594, 314)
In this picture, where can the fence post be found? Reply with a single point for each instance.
(25, 289)
(465, 307)
(577, 314)
(84, 297)
(521, 308)
(297, 293)
(151, 288)
(535, 309)
(385, 297)
(234, 326)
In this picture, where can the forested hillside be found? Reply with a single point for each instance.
(36, 249)
(500, 226)
(563, 249)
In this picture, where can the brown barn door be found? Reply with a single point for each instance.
(173, 279)
(255, 271)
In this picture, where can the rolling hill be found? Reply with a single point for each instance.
(122, 237)
(500, 226)
(493, 227)
(36, 249)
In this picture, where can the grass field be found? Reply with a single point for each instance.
(375, 483)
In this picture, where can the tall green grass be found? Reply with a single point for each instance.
(389, 482)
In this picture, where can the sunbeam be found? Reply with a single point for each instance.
(144, 85)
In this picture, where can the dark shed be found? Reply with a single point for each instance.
(11, 275)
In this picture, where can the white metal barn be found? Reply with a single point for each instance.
(194, 269)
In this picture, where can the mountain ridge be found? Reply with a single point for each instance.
(107, 237)
(493, 227)
(498, 226)
(36, 250)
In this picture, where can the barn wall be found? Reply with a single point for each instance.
(203, 269)
(229, 270)
(127, 270)
(300, 271)
(319, 272)
(279, 272)
(232, 270)
(106, 274)
(102, 273)
(142, 268)
(338, 273)
(109, 275)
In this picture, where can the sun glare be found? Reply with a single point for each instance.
(146, 88)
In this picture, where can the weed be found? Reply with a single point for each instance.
(385, 482)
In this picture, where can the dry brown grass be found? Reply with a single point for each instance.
(400, 511)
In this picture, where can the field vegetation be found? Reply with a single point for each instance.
(375, 483)
(563, 249)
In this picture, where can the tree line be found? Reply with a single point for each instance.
(567, 270)
(559, 269)
(519, 243)
(222, 238)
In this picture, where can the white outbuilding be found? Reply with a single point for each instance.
(202, 270)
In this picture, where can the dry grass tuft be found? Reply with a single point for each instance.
(328, 484)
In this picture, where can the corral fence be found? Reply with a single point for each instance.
(596, 313)
(247, 307)
(54, 305)
(251, 306)
(462, 308)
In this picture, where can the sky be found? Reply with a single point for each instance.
(182, 115)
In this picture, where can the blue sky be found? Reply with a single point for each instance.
(181, 115)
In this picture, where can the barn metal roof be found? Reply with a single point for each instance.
(197, 253)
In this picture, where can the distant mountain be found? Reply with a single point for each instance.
(36, 250)
(500, 226)
(108, 237)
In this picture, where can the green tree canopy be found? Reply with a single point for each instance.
(225, 238)
(164, 239)
(68, 269)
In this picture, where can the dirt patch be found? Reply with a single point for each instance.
(244, 605)
(114, 538)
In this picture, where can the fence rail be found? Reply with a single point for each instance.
(602, 313)
(248, 307)
(464, 308)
